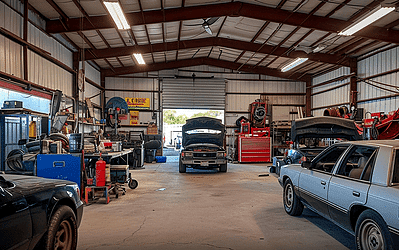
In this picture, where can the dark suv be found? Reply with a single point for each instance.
(38, 213)
(203, 144)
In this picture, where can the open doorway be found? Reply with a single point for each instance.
(174, 119)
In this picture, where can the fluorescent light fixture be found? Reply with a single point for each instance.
(139, 58)
(115, 10)
(294, 64)
(369, 18)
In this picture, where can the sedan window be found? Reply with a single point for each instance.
(359, 163)
(395, 177)
(327, 161)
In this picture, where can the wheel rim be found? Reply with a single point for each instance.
(370, 236)
(288, 196)
(63, 237)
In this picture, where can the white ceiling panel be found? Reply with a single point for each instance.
(347, 11)
(151, 4)
(171, 30)
(155, 32)
(130, 5)
(140, 34)
(241, 28)
(69, 8)
(93, 7)
(78, 40)
(45, 7)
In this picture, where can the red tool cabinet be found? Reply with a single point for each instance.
(254, 149)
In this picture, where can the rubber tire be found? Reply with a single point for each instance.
(182, 167)
(133, 184)
(65, 217)
(292, 205)
(32, 144)
(371, 218)
(223, 168)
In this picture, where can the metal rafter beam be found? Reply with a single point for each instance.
(204, 61)
(213, 41)
(227, 9)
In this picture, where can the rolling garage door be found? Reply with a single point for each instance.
(194, 94)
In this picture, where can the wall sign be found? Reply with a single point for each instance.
(138, 103)
(134, 117)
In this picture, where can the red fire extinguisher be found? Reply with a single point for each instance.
(100, 172)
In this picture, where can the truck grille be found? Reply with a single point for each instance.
(204, 154)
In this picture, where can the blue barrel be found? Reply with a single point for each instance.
(75, 143)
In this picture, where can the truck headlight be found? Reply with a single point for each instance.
(188, 154)
(220, 155)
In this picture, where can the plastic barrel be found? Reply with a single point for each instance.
(75, 143)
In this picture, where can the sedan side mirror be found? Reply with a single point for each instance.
(306, 164)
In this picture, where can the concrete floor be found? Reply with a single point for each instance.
(205, 210)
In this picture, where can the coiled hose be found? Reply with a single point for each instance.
(14, 160)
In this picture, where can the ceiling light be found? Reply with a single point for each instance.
(294, 64)
(115, 10)
(369, 18)
(139, 58)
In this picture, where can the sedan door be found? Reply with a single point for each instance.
(313, 182)
(15, 220)
(350, 183)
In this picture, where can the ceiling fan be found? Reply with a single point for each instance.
(206, 24)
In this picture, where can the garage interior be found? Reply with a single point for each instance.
(72, 69)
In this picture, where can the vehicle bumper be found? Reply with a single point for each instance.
(280, 180)
(204, 162)
(79, 214)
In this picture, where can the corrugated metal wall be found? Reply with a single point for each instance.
(47, 74)
(49, 44)
(10, 57)
(40, 71)
(336, 96)
(91, 73)
(11, 20)
(91, 90)
(378, 65)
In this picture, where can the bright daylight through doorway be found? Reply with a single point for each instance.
(174, 119)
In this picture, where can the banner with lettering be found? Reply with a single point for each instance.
(138, 103)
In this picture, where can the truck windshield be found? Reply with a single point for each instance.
(203, 131)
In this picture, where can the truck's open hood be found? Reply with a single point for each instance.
(203, 123)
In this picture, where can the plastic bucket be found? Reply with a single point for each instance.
(75, 143)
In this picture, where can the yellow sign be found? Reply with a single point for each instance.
(138, 103)
(134, 117)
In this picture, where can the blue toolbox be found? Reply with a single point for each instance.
(60, 166)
